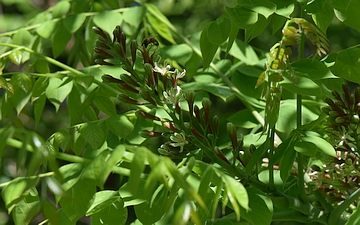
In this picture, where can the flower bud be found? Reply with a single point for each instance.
(100, 32)
(145, 115)
(119, 49)
(150, 74)
(103, 53)
(231, 129)
(101, 44)
(146, 95)
(216, 121)
(196, 133)
(189, 95)
(109, 78)
(127, 87)
(197, 113)
(127, 99)
(150, 133)
(171, 126)
(129, 80)
(103, 62)
(221, 155)
(133, 49)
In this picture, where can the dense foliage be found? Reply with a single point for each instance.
(112, 113)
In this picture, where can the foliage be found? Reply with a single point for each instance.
(148, 120)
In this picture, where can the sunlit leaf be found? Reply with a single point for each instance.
(261, 208)
(61, 9)
(311, 68)
(22, 37)
(17, 189)
(73, 22)
(108, 20)
(57, 91)
(263, 7)
(350, 15)
(114, 214)
(242, 17)
(27, 208)
(134, 15)
(120, 125)
(46, 29)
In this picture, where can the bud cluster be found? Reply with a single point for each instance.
(340, 176)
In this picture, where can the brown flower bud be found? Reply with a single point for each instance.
(150, 133)
(127, 99)
(145, 115)
(103, 62)
(133, 49)
(231, 129)
(103, 53)
(189, 95)
(129, 80)
(100, 32)
(197, 113)
(146, 95)
(170, 126)
(221, 155)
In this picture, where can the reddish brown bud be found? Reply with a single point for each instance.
(103, 62)
(100, 32)
(146, 95)
(197, 113)
(150, 133)
(103, 52)
(133, 48)
(145, 115)
(190, 98)
(221, 155)
(129, 80)
(170, 126)
(231, 129)
(127, 99)
(196, 133)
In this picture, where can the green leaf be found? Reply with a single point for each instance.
(208, 49)
(306, 148)
(16, 190)
(287, 161)
(40, 87)
(60, 39)
(108, 20)
(160, 27)
(102, 200)
(256, 29)
(350, 16)
(355, 217)
(20, 99)
(287, 116)
(46, 29)
(321, 144)
(244, 118)
(237, 194)
(39, 106)
(50, 212)
(346, 64)
(22, 37)
(262, 7)
(100, 167)
(42, 66)
(261, 208)
(57, 91)
(244, 52)
(134, 15)
(149, 213)
(340, 4)
(27, 208)
(312, 69)
(284, 8)
(302, 85)
(219, 30)
(62, 139)
(61, 9)
(120, 125)
(323, 18)
(23, 81)
(77, 200)
(315, 6)
(137, 167)
(16, 56)
(73, 22)
(105, 105)
(114, 214)
(242, 17)
(93, 134)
